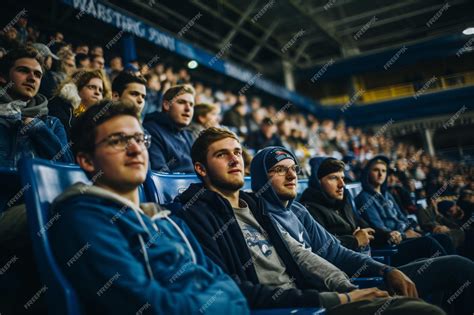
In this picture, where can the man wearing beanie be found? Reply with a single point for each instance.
(274, 173)
(238, 234)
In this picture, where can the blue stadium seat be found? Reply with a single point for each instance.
(354, 189)
(302, 185)
(46, 180)
(163, 188)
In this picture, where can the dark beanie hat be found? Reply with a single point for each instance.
(276, 155)
(327, 167)
(444, 206)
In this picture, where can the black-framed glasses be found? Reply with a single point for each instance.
(121, 142)
(283, 170)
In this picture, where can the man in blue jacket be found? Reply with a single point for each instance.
(240, 236)
(274, 172)
(122, 257)
(377, 205)
(26, 130)
(171, 142)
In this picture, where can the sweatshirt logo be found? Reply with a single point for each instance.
(255, 238)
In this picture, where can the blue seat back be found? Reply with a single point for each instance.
(163, 188)
(43, 182)
(354, 189)
(302, 185)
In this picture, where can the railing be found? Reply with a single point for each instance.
(434, 84)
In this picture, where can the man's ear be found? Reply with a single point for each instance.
(85, 162)
(115, 96)
(166, 106)
(200, 169)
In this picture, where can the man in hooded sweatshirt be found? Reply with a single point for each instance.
(265, 261)
(123, 257)
(274, 172)
(330, 204)
(379, 208)
(171, 142)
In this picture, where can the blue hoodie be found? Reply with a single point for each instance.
(380, 209)
(122, 261)
(299, 223)
(170, 149)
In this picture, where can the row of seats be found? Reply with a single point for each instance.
(46, 180)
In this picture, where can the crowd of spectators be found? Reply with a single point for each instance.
(51, 84)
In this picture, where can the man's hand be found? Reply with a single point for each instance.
(27, 120)
(364, 294)
(412, 234)
(395, 237)
(401, 284)
(441, 229)
(364, 236)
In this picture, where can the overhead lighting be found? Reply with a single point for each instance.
(468, 31)
(192, 64)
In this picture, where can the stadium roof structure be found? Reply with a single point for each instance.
(304, 33)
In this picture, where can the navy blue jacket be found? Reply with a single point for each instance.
(170, 149)
(380, 209)
(211, 219)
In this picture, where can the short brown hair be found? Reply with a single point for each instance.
(83, 131)
(205, 139)
(202, 109)
(7, 62)
(176, 90)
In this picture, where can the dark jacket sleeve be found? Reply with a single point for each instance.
(49, 139)
(257, 295)
(347, 240)
(157, 150)
(381, 237)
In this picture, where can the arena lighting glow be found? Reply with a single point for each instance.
(192, 64)
(468, 31)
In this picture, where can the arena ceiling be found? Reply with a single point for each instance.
(305, 33)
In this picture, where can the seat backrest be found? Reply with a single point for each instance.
(43, 181)
(163, 188)
(354, 189)
(302, 185)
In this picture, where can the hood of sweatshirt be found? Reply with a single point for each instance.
(79, 189)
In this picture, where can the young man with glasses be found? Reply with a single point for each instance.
(123, 257)
(236, 232)
(275, 179)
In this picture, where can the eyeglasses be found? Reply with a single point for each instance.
(283, 170)
(121, 142)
